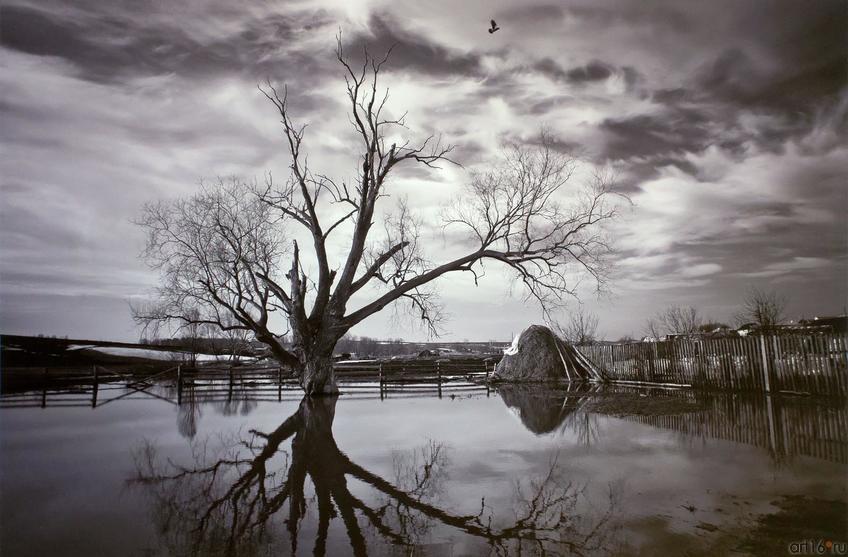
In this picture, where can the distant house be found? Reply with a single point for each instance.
(817, 325)
(436, 352)
(649, 338)
(747, 329)
(830, 325)
(722, 331)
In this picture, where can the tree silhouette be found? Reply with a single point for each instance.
(763, 308)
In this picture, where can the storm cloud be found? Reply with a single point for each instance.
(725, 123)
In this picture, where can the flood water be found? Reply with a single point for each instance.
(586, 471)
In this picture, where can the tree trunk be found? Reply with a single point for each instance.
(317, 376)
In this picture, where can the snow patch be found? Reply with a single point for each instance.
(167, 355)
(513, 348)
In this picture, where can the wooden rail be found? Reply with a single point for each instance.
(809, 364)
(87, 386)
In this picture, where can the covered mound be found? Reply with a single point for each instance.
(539, 355)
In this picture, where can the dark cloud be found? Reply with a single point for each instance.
(551, 69)
(734, 77)
(111, 48)
(469, 153)
(545, 105)
(670, 96)
(660, 15)
(411, 52)
(789, 100)
(531, 15)
(675, 130)
(101, 50)
(593, 71)
(559, 144)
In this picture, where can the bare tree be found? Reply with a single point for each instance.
(195, 334)
(674, 320)
(222, 250)
(765, 308)
(581, 329)
(653, 328)
(681, 320)
(238, 339)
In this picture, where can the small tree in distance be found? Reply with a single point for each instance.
(581, 329)
(228, 252)
(674, 320)
(764, 308)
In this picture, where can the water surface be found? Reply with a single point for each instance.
(578, 471)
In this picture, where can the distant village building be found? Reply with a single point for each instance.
(436, 352)
(747, 329)
(722, 331)
(828, 325)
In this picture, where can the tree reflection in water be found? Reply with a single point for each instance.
(192, 401)
(224, 502)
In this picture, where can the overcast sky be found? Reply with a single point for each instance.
(725, 122)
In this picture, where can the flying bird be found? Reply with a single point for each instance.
(494, 27)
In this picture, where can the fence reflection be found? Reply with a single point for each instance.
(786, 427)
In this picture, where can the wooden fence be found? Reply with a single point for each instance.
(813, 364)
(95, 386)
(416, 374)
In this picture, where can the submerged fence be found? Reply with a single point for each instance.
(814, 364)
(97, 385)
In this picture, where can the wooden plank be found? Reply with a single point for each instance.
(820, 348)
(779, 372)
(755, 362)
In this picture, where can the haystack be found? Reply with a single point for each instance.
(539, 355)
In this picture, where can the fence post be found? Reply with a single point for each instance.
(439, 376)
(764, 354)
(381, 380)
(280, 384)
(44, 390)
(94, 387)
(179, 384)
(230, 389)
(655, 361)
(771, 423)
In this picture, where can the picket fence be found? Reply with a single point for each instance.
(813, 364)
